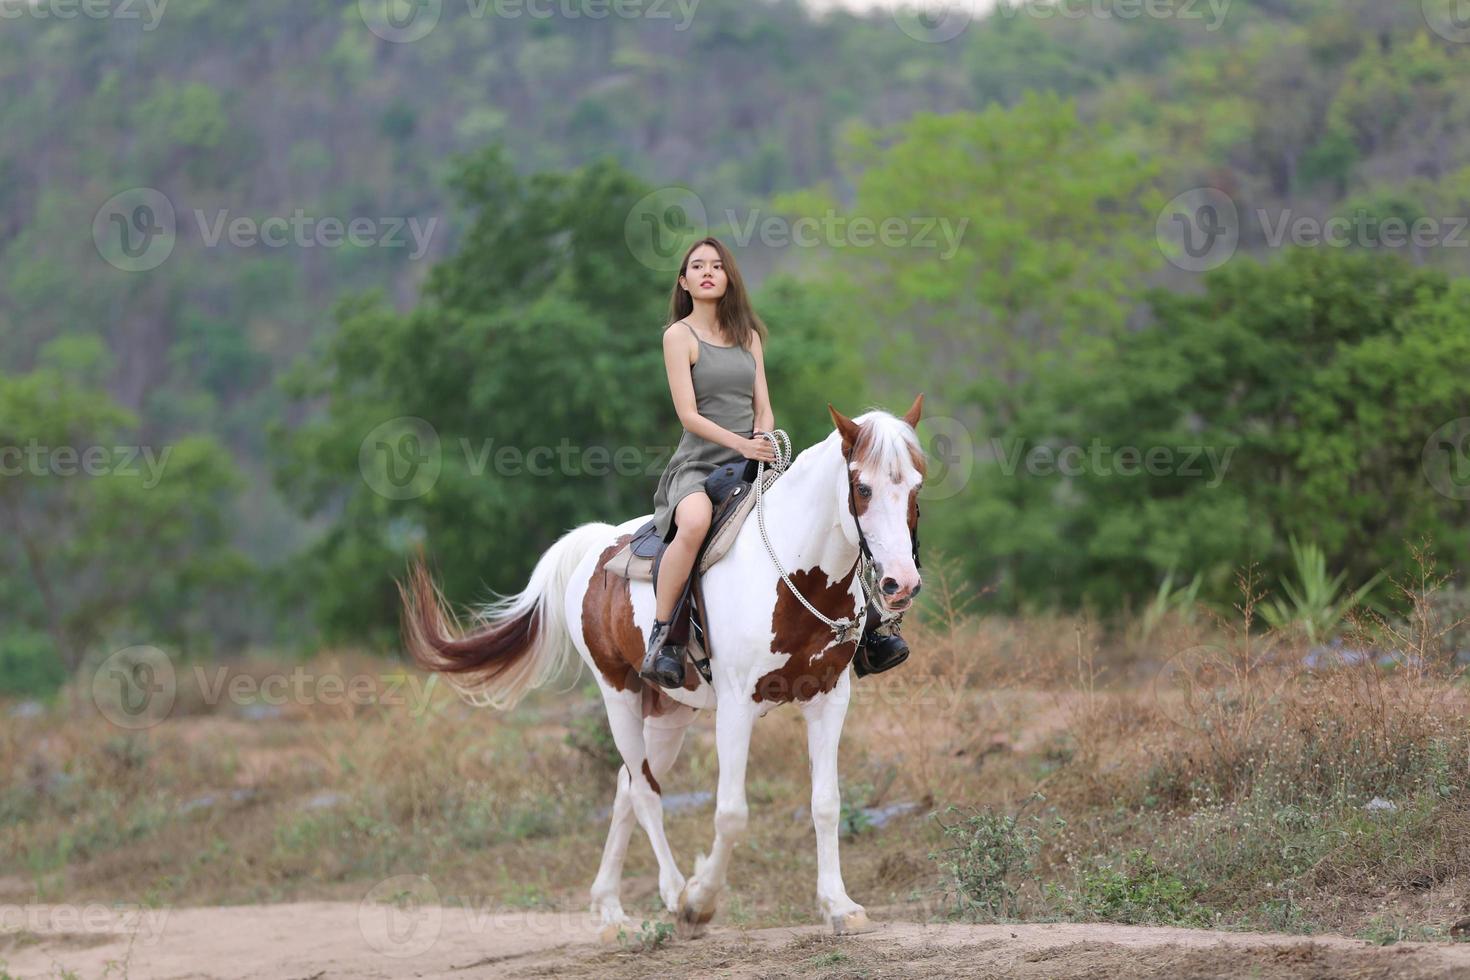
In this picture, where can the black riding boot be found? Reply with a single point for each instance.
(663, 662)
(881, 648)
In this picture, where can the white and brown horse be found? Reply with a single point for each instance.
(767, 647)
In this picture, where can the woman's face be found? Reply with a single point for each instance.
(704, 276)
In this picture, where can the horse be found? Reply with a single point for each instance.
(850, 497)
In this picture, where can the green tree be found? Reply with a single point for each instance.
(1024, 230)
(1305, 390)
(106, 536)
(541, 334)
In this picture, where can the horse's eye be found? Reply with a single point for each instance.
(864, 491)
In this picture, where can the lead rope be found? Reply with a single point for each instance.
(846, 629)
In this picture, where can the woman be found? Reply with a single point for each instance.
(714, 358)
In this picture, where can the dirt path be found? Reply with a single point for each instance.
(328, 940)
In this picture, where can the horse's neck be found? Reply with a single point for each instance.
(804, 526)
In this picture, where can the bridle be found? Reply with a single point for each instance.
(846, 629)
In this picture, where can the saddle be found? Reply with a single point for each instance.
(731, 490)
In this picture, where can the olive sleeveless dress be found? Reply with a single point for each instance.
(724, 393)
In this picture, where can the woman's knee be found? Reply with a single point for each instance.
(694, 514)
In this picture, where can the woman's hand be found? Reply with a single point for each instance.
(758, 447)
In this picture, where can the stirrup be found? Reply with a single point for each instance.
(663, 662)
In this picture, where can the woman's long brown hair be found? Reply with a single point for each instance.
(737, 318)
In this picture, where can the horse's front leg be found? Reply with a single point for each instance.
(734, 720)
(824, 716)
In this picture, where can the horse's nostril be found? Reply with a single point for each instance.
(917, 587)
(890, 586)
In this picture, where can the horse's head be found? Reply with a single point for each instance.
(885, 470)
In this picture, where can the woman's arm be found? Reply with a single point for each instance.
(679, 347)
(765, 419)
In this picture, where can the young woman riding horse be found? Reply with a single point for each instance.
(834, 535)
(714, 358)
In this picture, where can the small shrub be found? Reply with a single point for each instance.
(1137, 891)
(990, 851)
(650, 937)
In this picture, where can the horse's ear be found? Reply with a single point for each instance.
(912, 415)
(846, 426)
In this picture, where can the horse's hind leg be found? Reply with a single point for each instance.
(649, 749)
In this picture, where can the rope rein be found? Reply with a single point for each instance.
(846, 629)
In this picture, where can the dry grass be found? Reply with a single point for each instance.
(1219, 781)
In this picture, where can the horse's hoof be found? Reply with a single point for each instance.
(691, 921)
(852, 923)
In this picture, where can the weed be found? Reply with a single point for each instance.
(648, 938)
(990, 851)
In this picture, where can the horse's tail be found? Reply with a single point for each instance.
(516, 642)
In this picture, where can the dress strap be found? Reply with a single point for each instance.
(690, 329)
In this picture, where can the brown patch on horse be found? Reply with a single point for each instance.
(613, 639)
(436, 641)
(809, 671)
(648, 775)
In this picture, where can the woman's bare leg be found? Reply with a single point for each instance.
(692, 517)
